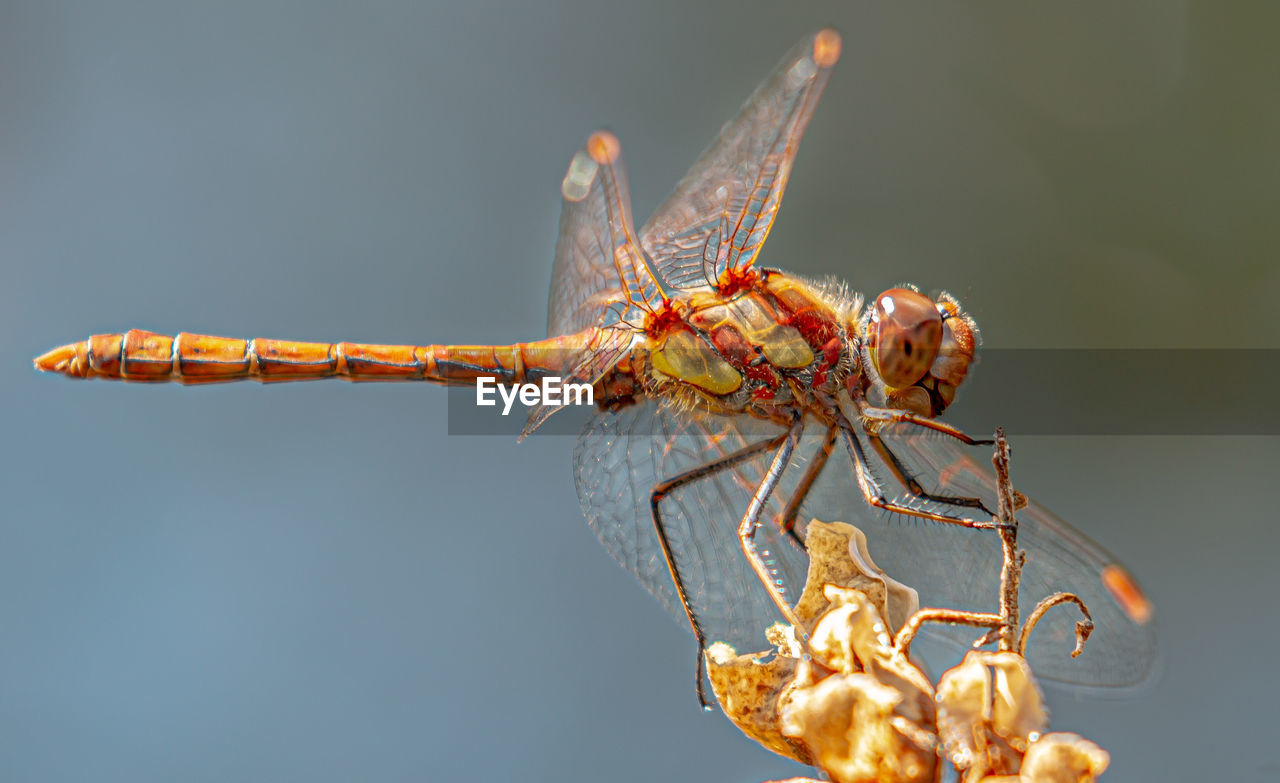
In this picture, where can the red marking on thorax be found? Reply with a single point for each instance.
(666, 320)
(734, 281)
(830, 355)
(742, 355)
(732, 345)
(808, 316)
(814, 326)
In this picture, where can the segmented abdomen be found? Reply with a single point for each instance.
(142, 356)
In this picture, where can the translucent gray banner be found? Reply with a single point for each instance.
(1046, 392)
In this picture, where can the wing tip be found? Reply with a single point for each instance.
(604, 148)
(577, 181)
(826, 47)
(1124, 589)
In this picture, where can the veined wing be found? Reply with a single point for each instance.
(621, 456)
(600, 276)
(959, 568)
(720, 214)
(584, 282)
(618, 460)
(604, 348)
(717, 217)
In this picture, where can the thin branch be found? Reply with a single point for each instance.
(1012, 561)
(1083, 627)
(902, 642)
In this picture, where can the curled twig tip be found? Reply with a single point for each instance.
(1084, 627)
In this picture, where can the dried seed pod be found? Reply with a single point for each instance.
(1063, 758)
(748, 687)
(851, 725)
(838, 556)
(989, 711)
(751, 687)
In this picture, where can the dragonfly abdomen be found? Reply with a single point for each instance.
(147, 357)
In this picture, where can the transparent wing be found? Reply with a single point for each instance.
(720, 214)
(955, 567)
(600, 276)
(618, 460)
(717, 218)
(621, 456)
(600, 352)
(584, 282)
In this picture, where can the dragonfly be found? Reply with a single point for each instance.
(733, 402)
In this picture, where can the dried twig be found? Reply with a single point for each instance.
(906, 634)
(1013, 560)
(1003, 627)
(1083, 627)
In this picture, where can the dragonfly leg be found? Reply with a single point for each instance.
(751, 521)
(894, 416)
(911, 485)
(787, 522)
(875, 496)
(661, 491)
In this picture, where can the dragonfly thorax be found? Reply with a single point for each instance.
(767, 344)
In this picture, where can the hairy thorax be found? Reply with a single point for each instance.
(768, 346)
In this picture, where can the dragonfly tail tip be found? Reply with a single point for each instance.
(64, 359)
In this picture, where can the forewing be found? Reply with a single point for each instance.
(601, 276)
(959, 568)
(720, 214)
(621, 456)
(584, 281)
(603, 350)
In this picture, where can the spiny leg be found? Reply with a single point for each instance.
(895, 416)
(909, 482)
(751, 521)
(666, 487)
(787, 521)
(875, 497)
(900, 472)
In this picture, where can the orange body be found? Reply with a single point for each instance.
(677, 311)
(147, 357)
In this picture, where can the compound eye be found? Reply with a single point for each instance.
(904, 334)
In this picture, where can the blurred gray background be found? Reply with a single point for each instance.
(315, 582)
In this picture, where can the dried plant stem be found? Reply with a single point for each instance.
(902, 641)
(1003, 627)
(1013, 560)
(1083, 627)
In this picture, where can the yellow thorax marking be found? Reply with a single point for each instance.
(782, 345)
(687, 358)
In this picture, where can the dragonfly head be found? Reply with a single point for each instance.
(917, 349)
